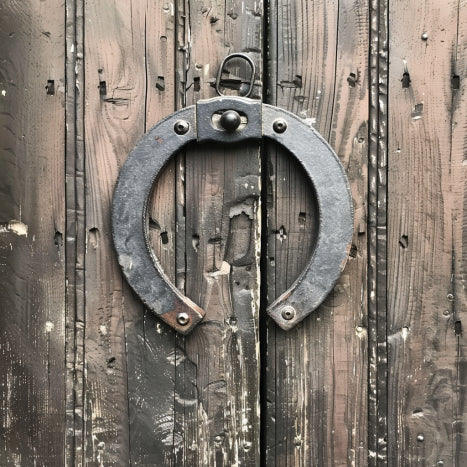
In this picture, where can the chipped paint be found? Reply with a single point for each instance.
(16, 227)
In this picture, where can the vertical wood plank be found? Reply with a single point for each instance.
(115, 97)
(426, 236)
(316, 376)
(32, 226)
(216, 252)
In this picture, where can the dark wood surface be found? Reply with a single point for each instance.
(375, 376)
(32, 230)
(316, 379)
(426, 233)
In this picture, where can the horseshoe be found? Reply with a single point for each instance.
(231, 120)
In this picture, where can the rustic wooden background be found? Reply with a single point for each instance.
(376, 376)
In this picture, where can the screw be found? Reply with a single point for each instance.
(230, 120)
(181, 127)
(450, 297)
(183, 319)
(424, 36)
(279, 125)
(288, 312)
(420, 438)
(446, 312)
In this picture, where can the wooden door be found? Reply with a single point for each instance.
(375, 376)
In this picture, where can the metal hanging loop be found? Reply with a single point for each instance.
(244, 119)
(222, 66)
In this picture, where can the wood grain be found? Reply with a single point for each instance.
(32, 227)
(114, 120)
(213, 253)
(426, 238)
(316, 396)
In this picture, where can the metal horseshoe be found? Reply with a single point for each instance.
(231, 120)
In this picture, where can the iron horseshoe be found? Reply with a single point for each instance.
(231, 120)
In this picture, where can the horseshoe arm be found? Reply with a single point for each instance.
(335, 217)
(140, 267)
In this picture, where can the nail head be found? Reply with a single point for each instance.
(288, 312)
(230, 120)
(183, 318)
(279, 125)
(181, 127)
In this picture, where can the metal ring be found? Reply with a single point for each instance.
(221, 69)
(194, 123)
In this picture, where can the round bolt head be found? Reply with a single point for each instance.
(288, 312)
(424, 36)
(183, 318)
(181, 127)
(230, 120)
(279, 125)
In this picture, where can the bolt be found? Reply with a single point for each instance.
(420, 438)
(279, 125)
(288, 312)
(230, 120)
(424, 36)
(450, 297)
(181, 127)
(183, 318)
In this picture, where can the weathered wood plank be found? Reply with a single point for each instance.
(32, 225)
(426, 237)
(216, 254)
(115, 96)
(316, 406)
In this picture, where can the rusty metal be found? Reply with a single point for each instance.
(244, 119)
(221, 70)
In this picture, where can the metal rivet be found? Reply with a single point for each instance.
(420, 437)
(424, 36)
(181, 127)
(230, 120)
(288, 312)
(450, 297)
(446, 312)
(183, 319)
(279, 125)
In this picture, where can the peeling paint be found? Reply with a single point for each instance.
(16, 227)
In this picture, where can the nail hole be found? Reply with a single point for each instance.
(195, 241)
(406, 80)
(404, 241)
(297, 81)
(160, 83)
(58, 239)
(50, 87)
(102, 88)
(153, 224)
(352, 80)
(164, 238)
(302, 219)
